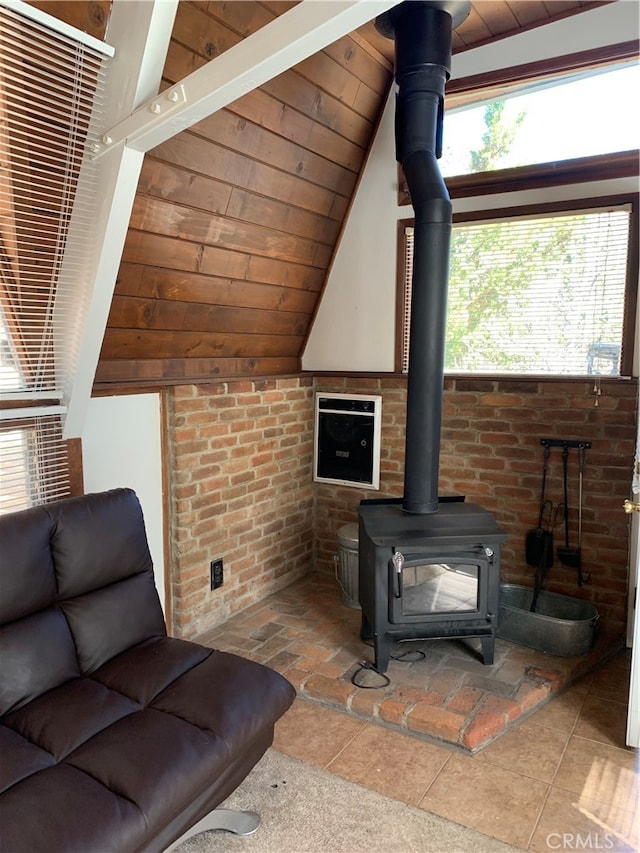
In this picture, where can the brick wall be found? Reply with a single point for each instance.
(241, 488)
(240, 456)
(491, 453)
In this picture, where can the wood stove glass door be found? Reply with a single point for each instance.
(437, 585)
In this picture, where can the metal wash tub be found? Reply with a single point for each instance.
(560, 626)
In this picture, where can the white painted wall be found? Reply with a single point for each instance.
(354, 328)
(122, 447)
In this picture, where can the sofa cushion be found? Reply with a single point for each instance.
(154, 760)
(250, 697)
(37, 653)
(20, 759)
(64, 809)
(143, 672)
(26, 568)
(98, 541)
(65, 718)
(102, 626)
(63, 610)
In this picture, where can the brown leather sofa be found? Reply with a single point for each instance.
(113, 736)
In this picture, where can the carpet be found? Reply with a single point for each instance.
(305, 809)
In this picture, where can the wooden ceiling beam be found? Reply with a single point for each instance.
(292, 37)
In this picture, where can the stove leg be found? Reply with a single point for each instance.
(366, 633)
(382, 647)
(488, 649)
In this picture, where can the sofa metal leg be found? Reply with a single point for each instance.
(238, 822)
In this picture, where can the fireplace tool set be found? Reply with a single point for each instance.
(539, 541)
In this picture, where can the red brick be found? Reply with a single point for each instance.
(464, 700)
(364, 702)
(552, 677)
(530, 694)
(499, 705)
(330, 669)
(393, 711)
(329, 689)
(282, 662)
(484, 726)
(264, 410)
(445, 681)
(501, 399)
(296, 677)
(316, 652)
(416, 694)
(437, 722)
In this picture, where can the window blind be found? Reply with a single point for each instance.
(536, 295)
(35, 466)
(52, 90)
(406, 299)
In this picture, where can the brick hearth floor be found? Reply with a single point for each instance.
(307, 633)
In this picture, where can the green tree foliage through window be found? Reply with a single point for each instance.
(539, 295)
(496, 140)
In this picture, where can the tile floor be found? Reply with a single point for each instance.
(558, 778)
(561, 780)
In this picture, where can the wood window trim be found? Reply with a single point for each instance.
(633, 266)
(458, 90)
(607, 167)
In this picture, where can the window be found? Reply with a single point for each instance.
(543, 122)
(541, 294)
(35, 464)
(547, 289)
(52, 86)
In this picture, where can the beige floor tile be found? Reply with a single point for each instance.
(600, 772)
(571, 823)
(562, 712)
(603, 721)
(314, 734)
(533, 750)
(394, 764)
(498, 802)
(623, 659)
(611, 681)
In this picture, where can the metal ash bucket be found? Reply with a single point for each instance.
(347, 564)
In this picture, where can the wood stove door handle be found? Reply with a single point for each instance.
(399, 582)
(397, 561)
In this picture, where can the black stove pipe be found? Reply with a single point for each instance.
(422, 32)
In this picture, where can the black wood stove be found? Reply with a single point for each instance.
(428, 576)
(428, 567)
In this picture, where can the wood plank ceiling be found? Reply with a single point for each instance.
(236, 220)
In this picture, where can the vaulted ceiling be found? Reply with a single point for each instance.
(236, 220)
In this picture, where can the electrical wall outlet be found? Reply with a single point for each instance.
(217, 573)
